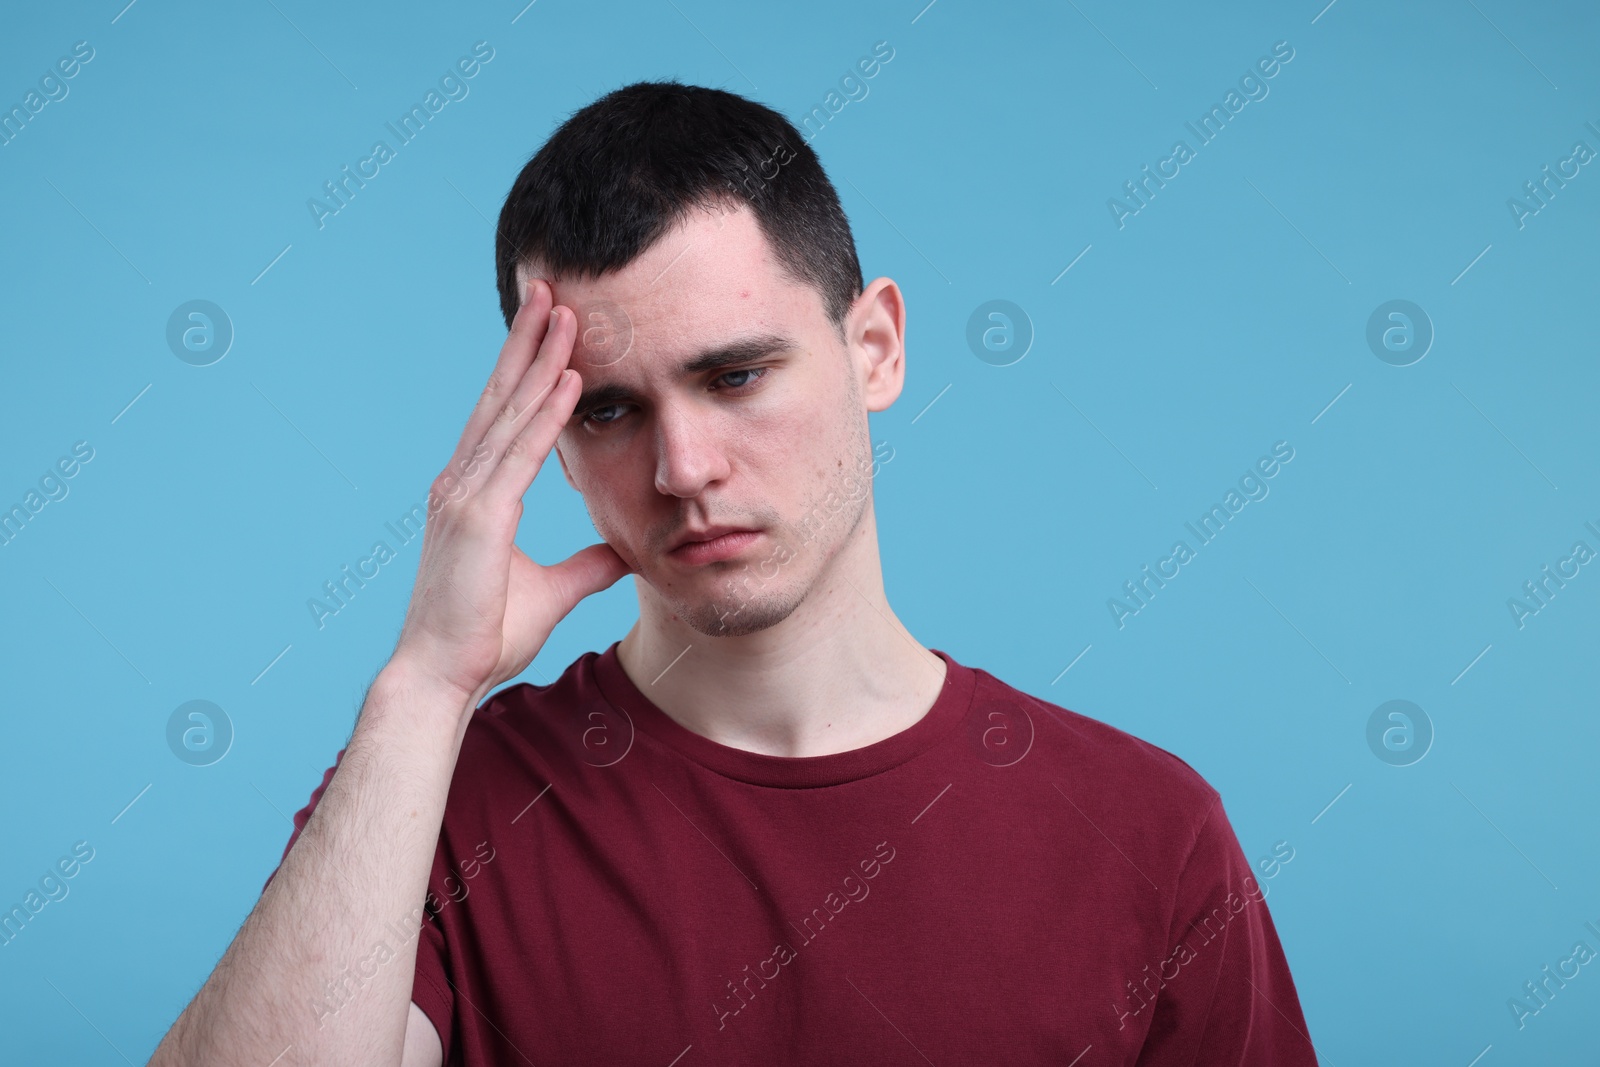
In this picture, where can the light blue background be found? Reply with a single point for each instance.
(1223, 317)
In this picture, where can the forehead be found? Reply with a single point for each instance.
(709, 279)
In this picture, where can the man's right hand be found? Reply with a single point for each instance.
(481, 609)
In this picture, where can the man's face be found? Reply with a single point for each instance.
(768, 434)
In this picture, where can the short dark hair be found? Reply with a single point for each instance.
(622, 171)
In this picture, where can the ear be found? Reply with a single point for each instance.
(875, 331)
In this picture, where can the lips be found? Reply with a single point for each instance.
(713, 544)
(709, 533)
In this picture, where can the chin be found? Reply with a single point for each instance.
(723, 617)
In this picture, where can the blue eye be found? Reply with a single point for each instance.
(590, 417)
(751, 375)
(747, 370)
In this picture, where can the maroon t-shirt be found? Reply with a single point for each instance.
(1005, 881)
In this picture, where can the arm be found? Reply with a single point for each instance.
(480, 611)
(422, 1042)
(1226, 996)
(361, 861)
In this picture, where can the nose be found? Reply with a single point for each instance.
(688, 456)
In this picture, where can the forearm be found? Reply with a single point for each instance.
(359, 867)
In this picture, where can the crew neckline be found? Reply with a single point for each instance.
(949, 710)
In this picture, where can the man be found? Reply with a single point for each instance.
(767, 826)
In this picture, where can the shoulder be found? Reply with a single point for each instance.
(1096, 761)
(547, 718)
(526, 737)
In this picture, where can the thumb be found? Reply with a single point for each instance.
(586, 572)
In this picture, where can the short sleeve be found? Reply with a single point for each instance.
(1226, 998)
(303, 816)
(430, 988)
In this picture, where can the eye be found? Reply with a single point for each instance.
(590, 419)
(596, 417)
(762, 371)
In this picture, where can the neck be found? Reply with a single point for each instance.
(840, 672)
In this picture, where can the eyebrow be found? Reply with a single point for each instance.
(730, 354)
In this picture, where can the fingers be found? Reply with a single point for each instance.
(586, 572)
(554, 355)
(525, 453)
(528, 329)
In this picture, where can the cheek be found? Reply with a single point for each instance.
(788, 455)
(600, 482)
(612, 523)
(610, 511)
